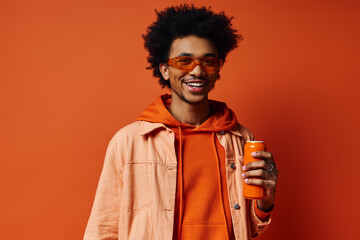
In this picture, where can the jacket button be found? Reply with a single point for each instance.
(237, 206)
(232, 166)
(221, 132)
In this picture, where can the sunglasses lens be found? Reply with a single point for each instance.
(209, 64)
(185, 63)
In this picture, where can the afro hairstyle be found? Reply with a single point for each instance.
(185, 20)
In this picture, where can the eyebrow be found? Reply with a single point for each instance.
(191, 55)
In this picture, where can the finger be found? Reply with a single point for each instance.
(269, 184)
(262, 165)
(259, 173)
(256, 165)
(263, 155)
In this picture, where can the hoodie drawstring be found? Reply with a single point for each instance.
(180, 162)
(220, 183)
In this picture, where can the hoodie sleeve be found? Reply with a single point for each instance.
(104, 217)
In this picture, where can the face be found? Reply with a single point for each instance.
(190, 86)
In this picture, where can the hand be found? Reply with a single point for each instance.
(262, 173)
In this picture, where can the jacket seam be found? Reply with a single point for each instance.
(146, 162)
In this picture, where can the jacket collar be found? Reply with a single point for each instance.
(235, 131)
(148, 127)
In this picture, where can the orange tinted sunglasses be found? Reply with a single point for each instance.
(188, 63)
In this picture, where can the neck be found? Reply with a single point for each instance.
(193, 114)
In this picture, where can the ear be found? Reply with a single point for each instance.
(164, 69)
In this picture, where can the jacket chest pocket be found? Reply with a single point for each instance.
(137, 187)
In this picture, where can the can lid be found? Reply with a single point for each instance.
(255, 141)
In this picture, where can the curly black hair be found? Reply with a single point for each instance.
(184, 20)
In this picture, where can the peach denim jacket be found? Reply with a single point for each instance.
(135, 197)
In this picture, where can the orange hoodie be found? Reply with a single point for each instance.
(202, 205)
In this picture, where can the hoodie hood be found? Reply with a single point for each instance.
(221, 119)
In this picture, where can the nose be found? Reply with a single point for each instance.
(197, 71)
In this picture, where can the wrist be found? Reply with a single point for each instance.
(265, 206)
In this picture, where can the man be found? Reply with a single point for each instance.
(177, 172)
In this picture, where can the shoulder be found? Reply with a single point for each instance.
(122, 143)
(129, 130)
(131, 142)
(127, 134)
(135, 132)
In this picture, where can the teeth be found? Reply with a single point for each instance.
(195, 84)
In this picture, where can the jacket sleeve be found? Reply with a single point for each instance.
(104, 217)
(257, 226)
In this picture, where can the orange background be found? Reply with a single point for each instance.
(73, 73)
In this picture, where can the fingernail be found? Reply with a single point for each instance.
(254, 154)
(243, 175)
(246, 180)
(244, 167)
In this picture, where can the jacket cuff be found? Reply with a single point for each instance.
(258, 226)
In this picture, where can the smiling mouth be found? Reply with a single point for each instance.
(195, 84)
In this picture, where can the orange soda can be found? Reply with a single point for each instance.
(252, 191)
